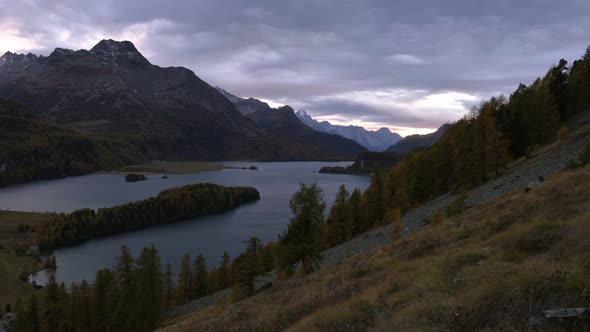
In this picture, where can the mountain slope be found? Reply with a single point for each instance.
(414, 142)
(33, 149)
(378, 140)
(304, 141)
(113, 91)
(245, 106)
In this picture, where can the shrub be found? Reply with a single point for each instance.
(457, 206)
(454, 264)
(394, 217)
(237, 294)
(540, 238)
(582, 160)
(436, 218)
(562, 133)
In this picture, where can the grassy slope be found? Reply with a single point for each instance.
(11, 288)
(9, 221)
(494, 266)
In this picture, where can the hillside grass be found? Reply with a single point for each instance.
(11, 287)
(492, 267)
(10, 237)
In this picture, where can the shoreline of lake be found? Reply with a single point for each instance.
(210, 235)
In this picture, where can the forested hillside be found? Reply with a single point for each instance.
(33, 149)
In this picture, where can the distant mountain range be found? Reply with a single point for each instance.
(283, 121)
(377, 140)
(112, 90)
(372, 140)
(414, 142)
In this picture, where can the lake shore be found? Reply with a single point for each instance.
(169, 167)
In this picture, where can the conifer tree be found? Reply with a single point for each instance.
(150, 283)
(33, 315)
(105, 300)
(302, 238)
(169, 287)
(185, 280)
(339, 223)
(224, 271)
(200, 287)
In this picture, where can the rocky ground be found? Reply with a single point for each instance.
(545, 162)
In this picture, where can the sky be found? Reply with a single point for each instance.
(409, 66)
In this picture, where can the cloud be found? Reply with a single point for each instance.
(406, 59)
(410, 64)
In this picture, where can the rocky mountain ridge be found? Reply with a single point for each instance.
(373, 140)
(113, 90)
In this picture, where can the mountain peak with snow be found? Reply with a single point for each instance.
(378, 140)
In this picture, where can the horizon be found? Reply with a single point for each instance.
(408, 67)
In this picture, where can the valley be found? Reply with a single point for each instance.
(231, 166)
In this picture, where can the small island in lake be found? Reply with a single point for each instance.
(135, 177)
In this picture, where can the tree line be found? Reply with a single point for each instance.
(170, 205)
(33, 149)
(480, 146)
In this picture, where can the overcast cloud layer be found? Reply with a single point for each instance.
(406, 65)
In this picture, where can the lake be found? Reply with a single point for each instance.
(210, 235)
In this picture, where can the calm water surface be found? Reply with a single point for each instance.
(207, 235)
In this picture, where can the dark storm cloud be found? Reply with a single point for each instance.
(331, 57)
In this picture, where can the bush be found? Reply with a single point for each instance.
(540, 238)
(436, 218)
(582, 160)
(562, 133)
(394, 217)
(457, 206)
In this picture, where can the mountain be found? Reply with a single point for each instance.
(112, 90)
(413, 142)
(304, 141)
(378, 140)
(245, 106)
(283, 122)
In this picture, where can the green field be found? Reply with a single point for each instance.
(10, 237)
(11, 288)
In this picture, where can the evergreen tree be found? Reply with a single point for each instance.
(169, 287)
(85, 307)
(250, 268)
(150, 284)
(358, 219)
(302, 238)
(340, 225)
(53, 312)
(106, 303)
(200, 275)
(125, 289)
(558, 79)
(579, 85)
(224, 271)
(33, 315)
(185, 280)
